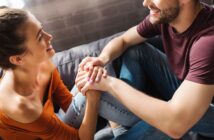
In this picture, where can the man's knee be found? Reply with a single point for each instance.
(136, 52)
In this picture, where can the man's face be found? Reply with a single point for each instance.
(162, 11)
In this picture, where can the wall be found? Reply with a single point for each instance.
(74, 22)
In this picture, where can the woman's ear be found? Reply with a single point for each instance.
(16, 60)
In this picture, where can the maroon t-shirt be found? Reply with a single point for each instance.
(191, 53)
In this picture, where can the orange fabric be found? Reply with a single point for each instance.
(48, 126)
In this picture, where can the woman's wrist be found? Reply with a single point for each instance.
(93, 95)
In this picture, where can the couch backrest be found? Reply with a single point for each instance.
(68, 61)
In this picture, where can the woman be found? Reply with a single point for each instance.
(31, 84)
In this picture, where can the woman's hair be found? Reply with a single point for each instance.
(11, 36)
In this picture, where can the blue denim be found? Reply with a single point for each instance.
(110, 109)
(146, 67)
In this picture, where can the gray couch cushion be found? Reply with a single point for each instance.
(68, 61)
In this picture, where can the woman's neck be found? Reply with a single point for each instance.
(22, 81)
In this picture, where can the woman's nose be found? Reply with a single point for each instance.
(49, 36)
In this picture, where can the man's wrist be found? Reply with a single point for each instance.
(104, 59)
(110, 84)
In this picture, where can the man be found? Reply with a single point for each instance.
(184, 76)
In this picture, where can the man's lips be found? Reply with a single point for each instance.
(153, 12)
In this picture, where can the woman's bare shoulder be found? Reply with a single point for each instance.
(23, 111)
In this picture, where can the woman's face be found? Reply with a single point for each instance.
(38, 42)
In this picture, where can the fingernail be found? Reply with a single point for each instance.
(88, 79)
(97, 79)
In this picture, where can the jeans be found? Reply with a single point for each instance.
(110, 109)
(146, 69)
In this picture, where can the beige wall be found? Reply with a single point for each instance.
(74, 22)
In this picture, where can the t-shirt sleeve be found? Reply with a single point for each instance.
(202, 61)
(148, 30)
(61, 94)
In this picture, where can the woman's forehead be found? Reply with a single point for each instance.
(32, 26)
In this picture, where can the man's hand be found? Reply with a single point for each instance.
(84, 84)
(94, 74)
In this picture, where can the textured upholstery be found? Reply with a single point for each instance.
(67, 61)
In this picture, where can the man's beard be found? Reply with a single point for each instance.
(166, 16)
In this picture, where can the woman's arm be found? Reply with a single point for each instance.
(88, 126)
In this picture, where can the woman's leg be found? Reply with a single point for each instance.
(75, 113)
(110, 109)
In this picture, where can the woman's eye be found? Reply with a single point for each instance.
(40, 37)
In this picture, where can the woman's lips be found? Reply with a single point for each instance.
(50, 48)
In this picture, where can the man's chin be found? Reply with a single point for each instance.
(154, 20)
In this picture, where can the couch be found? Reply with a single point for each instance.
(68, 69)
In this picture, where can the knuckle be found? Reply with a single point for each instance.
(95, 69)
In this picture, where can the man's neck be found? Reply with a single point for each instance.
(188, 14)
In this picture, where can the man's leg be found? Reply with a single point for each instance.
(145, 67)
(142, 67)
(143, 131)
(157, 71)
(110, 108)
(205, 126)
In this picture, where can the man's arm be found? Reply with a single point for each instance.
(113, 49)
(119, 44)
(189, 103)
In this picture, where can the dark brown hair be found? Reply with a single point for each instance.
(11, 39)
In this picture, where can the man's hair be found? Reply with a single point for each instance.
(11, 39)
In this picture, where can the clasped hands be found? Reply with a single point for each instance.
(91, 75)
